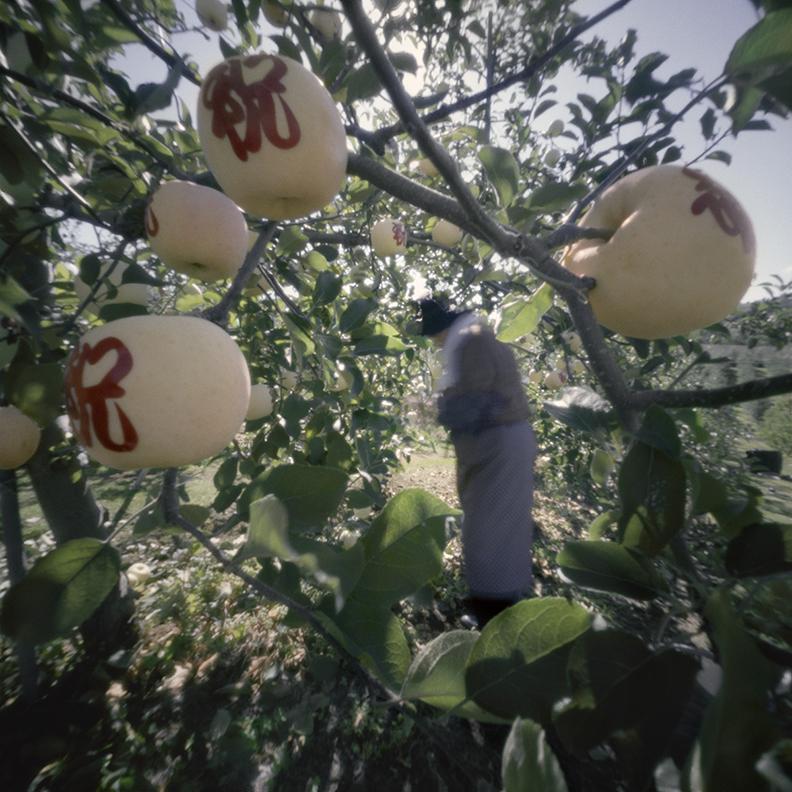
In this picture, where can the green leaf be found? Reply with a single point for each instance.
(556, 196)
(618, 683)
(327, 288)
(437, 676)
(652, 489)
(404, 547)
(738, 512)
(385, 345)
(708, 493)
(737, 728)
(363, 83)
(502, 171)
(521, 316)
(374, 636)
(583, 409)
(356, 313)
(60, 592)
(528, 761)
(38, 391)
(267, 531)
(764, 549)
(518, 665)
(767, 43)
(311, 494)
(606, 566)
(659, 431)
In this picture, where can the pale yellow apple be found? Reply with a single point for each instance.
(19, 437)
(572, 340)
(138, 572)
(288, 379)
(136, 293)
(327, 22)
(551, 157)
(681, 256)
(556, 128)
(555, 379)
(577, 366)
(388, 237)
(275, 13)
(535, 376)
(156, 391)
(428, 168)
(262, 401)
(446, 233)
(212, 13)
(196, 230)
(272, 136)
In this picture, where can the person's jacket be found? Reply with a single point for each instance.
(487, 390)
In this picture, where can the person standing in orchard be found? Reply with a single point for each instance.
(483, 404)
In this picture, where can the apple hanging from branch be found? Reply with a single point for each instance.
(19, 437)
(196, 230)
(327, 21)
(681, 256)
(136, 293)
(272, 136)
(156, 391)
(388, 237)
(262, 402)
(212, 13)
(446, 233)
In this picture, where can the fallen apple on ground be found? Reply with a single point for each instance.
(272, 136)
(196, 230)
(388, 237)
(19, 437)
(681, 256)
(156, 391)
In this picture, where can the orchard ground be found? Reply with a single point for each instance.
(224, 691)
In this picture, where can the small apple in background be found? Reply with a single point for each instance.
(281, 158)
(388, 237)
(556, 128)
(572, 340)
(196, 230)
(536, 376)
(555, 379)
(275, 13)
(288, 379)
(446, 233)
(348, 539)
(136, 293)
(156, 391)
(212, 13)
(262, 402)
(428, 168)
(138, 573)
(681, 256)
(577, 366)
(19, 437)
(327, 22)
(543, 462)
(551, 157)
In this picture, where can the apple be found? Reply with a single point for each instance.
(388, 237)
(138, 573)
(681, 256)
(156, 391)
(555, 379)
(196, 230)
(288, 379)
(262, 401)
(556, 128)
(136, 293)
(348, 539)
(577, 366)
(428, 168)
(551, 157)
(535, 376)
(272, 136)
(572, 340)
(212, 13)
(275, 13)
(327, 22)
(543, 462)
(19, 437)
(446, 233)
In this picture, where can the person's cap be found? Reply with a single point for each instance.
(434, 317)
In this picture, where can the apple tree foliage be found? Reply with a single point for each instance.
(84, 142)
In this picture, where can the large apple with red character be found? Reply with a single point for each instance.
(196, 230)
(272, 136)
(156, 391)
(681, 256)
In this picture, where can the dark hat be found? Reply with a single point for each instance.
(434, 317)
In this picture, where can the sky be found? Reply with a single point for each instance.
(693, 33)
